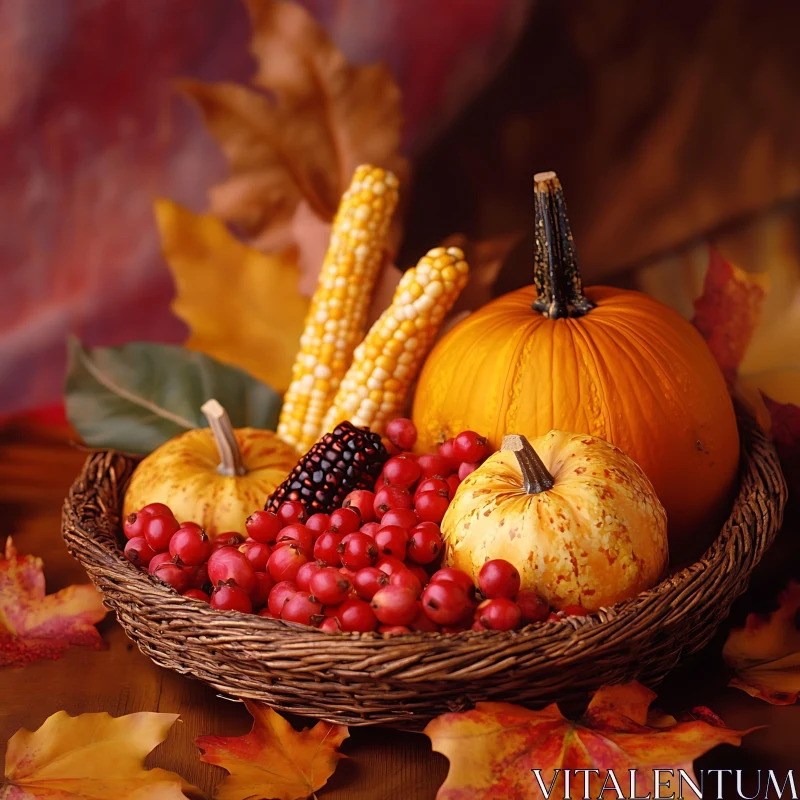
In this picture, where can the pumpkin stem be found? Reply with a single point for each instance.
(231, 463)
(556, 275)
(535, 476)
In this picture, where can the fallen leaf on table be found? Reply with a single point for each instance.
(493, 748)
(242, 306)
(786, 435)
(274, 760)
(33, 625)
(766, 652)
(91, 757)
(136, 397)
(297, 136)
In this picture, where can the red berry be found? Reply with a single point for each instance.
(393, 630)
(138, 552)
(432, 485)
(305, 573)
(371, 528)
(350, 574)
(157, 560)
(292, 511)
(405, 518)
(191, 545)
(431, 506)
(227, 539)
(434, 466)
(452, 482)
(318, 523)
(330, 625)
(298, 535)
(356, 615)
(448, 453)
(358, 551)
(329, 586)
(197, 594)
(533, 607)
(575, 611)
(285, 563)
(390, 497)
(499, 614)
(468, 446)
(400, 471)
(278, 595)
(260, 593)
(156, 508)
(303, 608)
(422, 575)
(228, 565)
(467, 468)
(231, 598)
(390, 565)
(391, 540)
(477, 625)
(407, 580)
(498, 578)
(199, 578)
(257, 554)
(263, 526)
(176, 575)
(367, 581)
(425, 543)
(445, 602)
(362, 501)
(401, 433)
(265, 612)
(159, 529)
(326, 548)
(457, 576)
(345, 520)
(422, 622)
(133, 526)
(554, 616)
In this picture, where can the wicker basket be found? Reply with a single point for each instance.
(404, 681)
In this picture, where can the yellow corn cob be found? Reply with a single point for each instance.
(375, 389)
(337, 316)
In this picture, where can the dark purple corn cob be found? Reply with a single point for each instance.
(349, 458)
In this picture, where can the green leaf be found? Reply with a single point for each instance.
(135, 397)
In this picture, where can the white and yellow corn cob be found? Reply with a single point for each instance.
(375, 389)
(337, 316)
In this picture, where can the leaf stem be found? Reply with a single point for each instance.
(231, 463)
(535, 476)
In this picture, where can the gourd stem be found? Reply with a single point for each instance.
(535, 476)
(556, 274)
(231, 463)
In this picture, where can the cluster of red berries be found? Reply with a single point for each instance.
(369, 565)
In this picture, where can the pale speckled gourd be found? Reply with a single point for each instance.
(575, 515)
(215, 477)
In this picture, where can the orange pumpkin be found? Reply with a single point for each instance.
(609, 362)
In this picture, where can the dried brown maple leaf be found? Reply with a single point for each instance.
(34, 625)
(91, 757)
(295, 138)
(766, 652)
(494, 748)
(274, 760)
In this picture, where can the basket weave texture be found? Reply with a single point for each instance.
(404, 681)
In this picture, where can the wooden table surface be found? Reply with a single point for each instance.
(36, 467)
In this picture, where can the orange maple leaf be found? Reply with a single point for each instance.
(274, 760)
(91, 757)
(295, 138)
(766, 652)
(494, 749)
(34, 625)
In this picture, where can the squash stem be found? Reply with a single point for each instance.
(556, 274)
(231, 463)
(535, 476)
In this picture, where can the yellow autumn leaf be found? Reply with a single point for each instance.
(90, 757)
(242, 306)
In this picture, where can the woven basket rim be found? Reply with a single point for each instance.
(154, 591)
